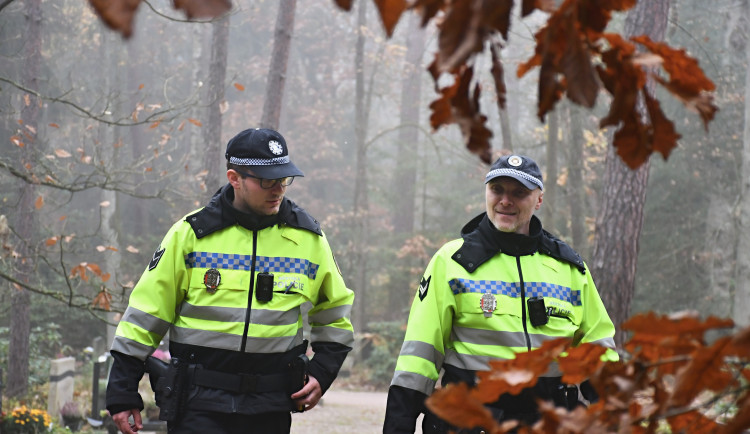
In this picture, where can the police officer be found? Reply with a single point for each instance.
(230, 283)
(505, 287)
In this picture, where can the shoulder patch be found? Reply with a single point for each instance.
(155, 259)
(424, 285)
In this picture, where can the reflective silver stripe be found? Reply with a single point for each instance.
(275, 317)
(232, 342)
(605, 342)
(488, 337)
(213, 313)
(481, 363)
(131, 347)
(410, 380)
(328, 316)
(146, 321)
(332, 334)
(423, 350)
(237, 314)
(538, 340)
(498, 338)
(467, 361)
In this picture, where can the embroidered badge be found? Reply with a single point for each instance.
(424, 285)
(488, 304)
(275, 147)
(212, 279)
(155, 259)
(515, 160)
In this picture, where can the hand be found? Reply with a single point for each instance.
(308, 396)
(123, 424)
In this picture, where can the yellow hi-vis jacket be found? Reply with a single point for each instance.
(447, 327)
(200, 288)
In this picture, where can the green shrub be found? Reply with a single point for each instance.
(386, 344)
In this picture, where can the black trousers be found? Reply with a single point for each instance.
(209, 422)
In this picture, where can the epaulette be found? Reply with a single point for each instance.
(556, 248)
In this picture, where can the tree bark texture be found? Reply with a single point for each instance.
(20, 321)
(213, 155)
(404, 180)
(620, 217)
(741, 305)
(721, 248)
(577, 189)
(361, 199)
(549, 210)
(277, 70)
(502, 109)
(405, 175)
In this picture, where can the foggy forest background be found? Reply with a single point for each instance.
(129, 136)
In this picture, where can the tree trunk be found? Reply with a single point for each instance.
(721, 241)
(576, 187)
(20, 321)
(620, 217)
(213, 155)
(550, 210)
(277, 70)
(502, 110)
(361, 200)
(741, 304)
(405, 176)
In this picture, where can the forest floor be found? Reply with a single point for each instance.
(344, 411)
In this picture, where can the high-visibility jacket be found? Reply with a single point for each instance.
(200, 287)
(447, 327)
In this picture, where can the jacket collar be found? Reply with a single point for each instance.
(482, 241)
(219, 214)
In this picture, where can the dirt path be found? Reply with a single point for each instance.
(343, 411)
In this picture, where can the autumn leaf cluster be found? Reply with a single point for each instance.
(668, 375)
(576, 58)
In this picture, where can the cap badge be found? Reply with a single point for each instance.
(515, 160)
(212, 279)
(488, 304)
(275, 147)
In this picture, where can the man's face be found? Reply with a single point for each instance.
(510, 205)
(250, 197)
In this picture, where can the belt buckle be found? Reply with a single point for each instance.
(248, 383)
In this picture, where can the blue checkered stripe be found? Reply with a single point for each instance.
(513, 289)
(226, 261)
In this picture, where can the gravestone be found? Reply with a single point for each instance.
(99, 344)
(61, 383)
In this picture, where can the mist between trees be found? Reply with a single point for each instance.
(106, 142)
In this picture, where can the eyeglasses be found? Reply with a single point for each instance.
(268, 184)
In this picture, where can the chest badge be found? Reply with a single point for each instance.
(212, 279)
(488, 304)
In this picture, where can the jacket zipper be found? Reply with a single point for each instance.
(523, 304)
(250, 292)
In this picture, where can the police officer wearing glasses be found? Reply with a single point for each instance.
(504, 287)
(229, 284)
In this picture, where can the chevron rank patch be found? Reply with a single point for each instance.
(424, 285)
(155, 259)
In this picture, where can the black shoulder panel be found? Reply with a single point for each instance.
(552, 246)
(210, 218)
(297, 217)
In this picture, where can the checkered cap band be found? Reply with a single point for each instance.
(259, 161)
(225, 261)
(513, 289)
(513, 173)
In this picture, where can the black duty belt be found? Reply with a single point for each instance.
(237, 383)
